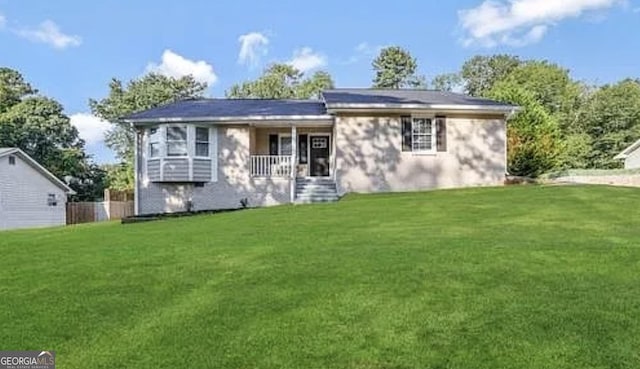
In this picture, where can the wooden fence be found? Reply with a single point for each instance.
(87, 212)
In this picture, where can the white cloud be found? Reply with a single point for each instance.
(3, 21)
(363, 50)
(306, 59)
(521, 22)
(49, 33)
(253, 46)
(636, 10)
(174, 65)
(90, 127)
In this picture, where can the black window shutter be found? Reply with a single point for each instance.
(406, 133)
(302, 149)
(273, 144)
(441, 133)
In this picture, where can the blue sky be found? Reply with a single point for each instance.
(70, 50)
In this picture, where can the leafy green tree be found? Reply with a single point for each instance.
(282, 81)
(611, 118)
(549, 83)
(534, 140)
(481, 73)
(447, 82)
(38, 125)
(395, 68)
(147, 92)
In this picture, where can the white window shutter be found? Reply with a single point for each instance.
(213, 148)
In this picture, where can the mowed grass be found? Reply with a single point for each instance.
(517, 277)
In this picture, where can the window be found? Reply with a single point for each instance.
(51, 199)
(418, 134)
(422, 135)
(154, 143)
(318, 143)
(12, 160)
(202, 141)
(302, 149)
(176, 141)
(285, 145)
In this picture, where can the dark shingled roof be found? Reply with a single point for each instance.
(428, 97)
(219, 108)
(212, 109)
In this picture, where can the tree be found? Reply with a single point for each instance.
(549, 83)
(481, 73)
(37, 125)
(282, 81)
(147, 92)
(395, 68)
(533, 136)
(611, 118)
(447, 82)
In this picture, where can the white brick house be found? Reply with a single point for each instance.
(30, 195)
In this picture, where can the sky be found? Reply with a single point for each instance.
(70, 50)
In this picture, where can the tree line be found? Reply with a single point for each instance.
(562, 123)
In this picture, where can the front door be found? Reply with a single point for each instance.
(319, 156)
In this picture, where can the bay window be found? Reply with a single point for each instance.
(177, 141)
(202, 141)
(154, 143)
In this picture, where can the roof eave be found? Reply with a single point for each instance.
(38, 167)
(628, 150)
(230, 119)
(504, 109)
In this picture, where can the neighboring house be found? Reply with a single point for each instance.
(30, 196)
(224, 153)
(631, 156)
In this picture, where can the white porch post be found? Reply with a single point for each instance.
(294, 157)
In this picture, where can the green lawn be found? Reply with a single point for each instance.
(517, 277)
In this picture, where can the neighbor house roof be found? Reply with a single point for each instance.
(300, 110)
(408, 98)
(626, 152)
(233, 109)
(6, 151)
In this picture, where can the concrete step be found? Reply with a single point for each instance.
(317, 196)
(314, 188)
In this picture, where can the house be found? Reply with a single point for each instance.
(227, 153)
(30, 195)
(631, 156)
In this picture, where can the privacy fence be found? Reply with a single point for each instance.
(116, 205)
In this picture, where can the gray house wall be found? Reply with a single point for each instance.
(23, 197)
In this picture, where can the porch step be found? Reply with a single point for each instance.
(310, 190)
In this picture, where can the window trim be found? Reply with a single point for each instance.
(280, 137)
(434, 139)
(52, 199)
(195, 142)
(158, 141)
(167, 141)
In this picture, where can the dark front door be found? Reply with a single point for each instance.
(319, 156)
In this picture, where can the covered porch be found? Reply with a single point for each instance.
(292, 150)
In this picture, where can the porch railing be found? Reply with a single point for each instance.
(270, 166)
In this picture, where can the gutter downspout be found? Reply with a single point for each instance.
(136, 177)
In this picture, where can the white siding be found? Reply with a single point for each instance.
(633, 160)
(23, 197)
